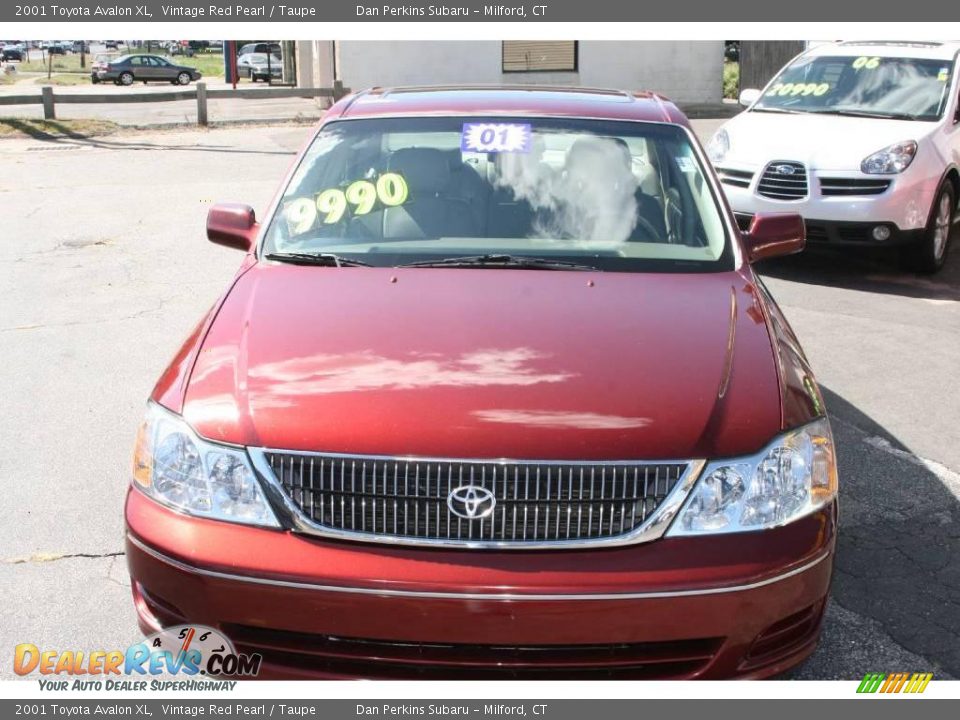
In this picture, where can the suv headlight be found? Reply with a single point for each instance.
(891, 160)
(719, 146)
(793, 476)
(174, 466)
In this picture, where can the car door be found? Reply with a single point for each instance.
(164, 69)
(139, 66)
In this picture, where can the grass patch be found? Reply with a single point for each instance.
(731, 80)
(55, 129)
(7, 79)
(61, 63)
(210, 64)
(64, 79)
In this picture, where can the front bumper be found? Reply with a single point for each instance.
(829, 232)
(747, 605)
(905, 204)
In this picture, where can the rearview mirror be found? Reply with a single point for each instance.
(749, 96)
(774, 235)
(232, 225)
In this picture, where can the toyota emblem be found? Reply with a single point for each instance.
(471, 502)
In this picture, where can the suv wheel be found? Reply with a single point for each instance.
(929, 255)
(126, 78)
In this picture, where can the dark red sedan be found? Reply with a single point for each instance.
(494, 393)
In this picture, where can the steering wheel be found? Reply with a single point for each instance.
(647, 226)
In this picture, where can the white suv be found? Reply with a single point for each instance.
(862, 139)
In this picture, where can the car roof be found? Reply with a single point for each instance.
(889, 48)
(517, 100)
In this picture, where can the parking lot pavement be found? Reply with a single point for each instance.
(105, 270)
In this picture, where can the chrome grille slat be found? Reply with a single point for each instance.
(784, 180)
(538, 502)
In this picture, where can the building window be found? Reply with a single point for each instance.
(539, 56)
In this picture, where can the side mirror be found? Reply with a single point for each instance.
(232, 225)
(749, 96)
(774, 235)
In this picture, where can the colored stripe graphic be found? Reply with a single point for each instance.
(894, 682)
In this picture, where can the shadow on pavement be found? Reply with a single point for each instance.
(898, 558)
(65, 135)
(873, 270)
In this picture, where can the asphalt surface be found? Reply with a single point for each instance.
(105, 270)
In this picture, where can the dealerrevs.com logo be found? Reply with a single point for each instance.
(184, 650)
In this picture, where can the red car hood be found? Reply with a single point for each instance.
(488, 364)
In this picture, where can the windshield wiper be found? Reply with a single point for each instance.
(864, 114)
(785, 111)
(324, 259)
(503, 261)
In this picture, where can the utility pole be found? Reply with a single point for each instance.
(289, 61)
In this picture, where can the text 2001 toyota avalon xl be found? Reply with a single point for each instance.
(495, 392)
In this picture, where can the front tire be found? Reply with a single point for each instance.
(126, 79)
(183, 78)
(929, 255)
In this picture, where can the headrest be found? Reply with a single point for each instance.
(426, 170)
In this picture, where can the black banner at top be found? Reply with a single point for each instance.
(472, 11)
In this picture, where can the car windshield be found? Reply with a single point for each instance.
(619, 196)
(864, 85)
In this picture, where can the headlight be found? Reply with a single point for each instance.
(891, 160)
(793, 476)
(719, 146)
(174, 466)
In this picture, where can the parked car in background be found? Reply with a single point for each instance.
(128, 69)
(862, 139)
(260, 66)
(111, 44)
(12, 53)
(272, 48)
(100, 64)
(495, 393)
(79, 46)
(56, 49)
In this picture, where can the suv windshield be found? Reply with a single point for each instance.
(909, 88)
(395, 191)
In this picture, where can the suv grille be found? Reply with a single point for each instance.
(783, 180)
(738, 178)
(535, 502)
(853, 186)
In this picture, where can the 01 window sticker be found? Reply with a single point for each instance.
(360, 197)
(496, 137)
(793, 89)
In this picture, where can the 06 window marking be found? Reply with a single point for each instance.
(390, 190)
(866, 63)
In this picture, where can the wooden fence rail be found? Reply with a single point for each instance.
(49, 98)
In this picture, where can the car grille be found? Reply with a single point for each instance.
(783, 180)
(535, 502)
(737, 178)
(390, 659)
(853, 186)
